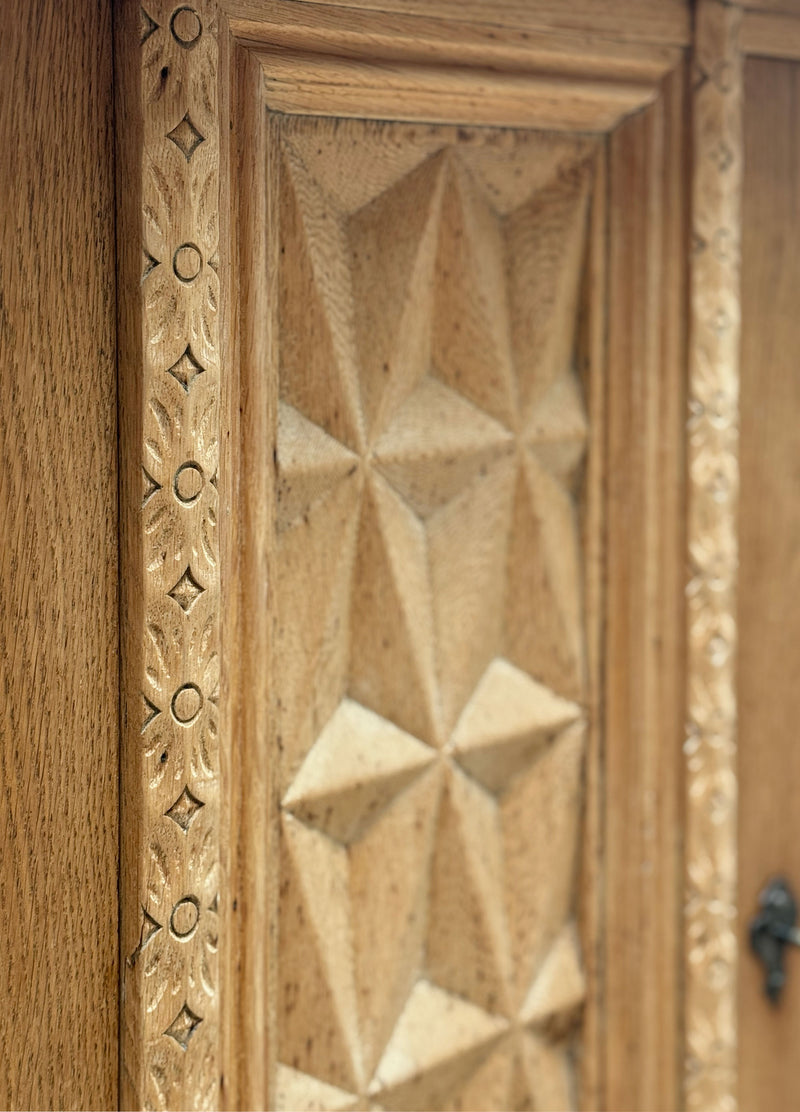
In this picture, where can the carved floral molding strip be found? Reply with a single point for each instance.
(711, 944)
(171, 978)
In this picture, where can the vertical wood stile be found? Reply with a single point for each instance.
(168, 203)
(710, 747)
(644, 628)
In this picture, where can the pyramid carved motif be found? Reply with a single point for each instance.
(430, 670)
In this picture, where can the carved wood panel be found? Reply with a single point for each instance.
(430, 676)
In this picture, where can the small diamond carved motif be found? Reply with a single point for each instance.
(186, 591)
(186, 137)
(184, 809)
(186, 370)
(183, 1026)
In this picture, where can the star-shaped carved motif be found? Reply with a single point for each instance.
(431, 435)
(425, 913)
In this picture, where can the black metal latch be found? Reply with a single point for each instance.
(771, 930)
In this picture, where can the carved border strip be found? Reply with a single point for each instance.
(170, 774)
(710, 747)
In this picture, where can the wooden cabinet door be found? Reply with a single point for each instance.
(403, 372)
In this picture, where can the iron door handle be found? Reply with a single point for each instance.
(772, 929)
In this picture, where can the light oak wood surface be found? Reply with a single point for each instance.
(58, 560)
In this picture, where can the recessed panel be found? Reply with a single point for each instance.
(430, 659)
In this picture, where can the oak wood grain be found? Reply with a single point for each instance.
(58, 561)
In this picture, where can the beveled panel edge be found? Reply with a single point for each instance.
(323, 60)
(316, 84)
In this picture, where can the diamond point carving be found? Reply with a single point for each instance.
(186, 137)
(186, 591)
(454, 783)
(184, 810)
(184, 1026)
(186, 369)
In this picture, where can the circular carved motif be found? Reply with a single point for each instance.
(184, 917)
(186, 703)
(186, 26)
(187, 262)
(188, 482)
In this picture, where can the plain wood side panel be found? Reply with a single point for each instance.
(58, 578)
(769, 619)
(644, 633)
